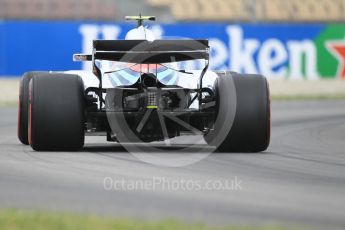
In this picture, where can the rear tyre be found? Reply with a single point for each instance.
(251, 127)
(23, 105)
(56, 113)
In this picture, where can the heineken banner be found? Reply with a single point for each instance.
(279, 51)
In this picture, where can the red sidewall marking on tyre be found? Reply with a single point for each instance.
(30, 117)
(270, 125)
(19, 117)
(30, 121)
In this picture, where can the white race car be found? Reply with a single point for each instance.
(138, 91)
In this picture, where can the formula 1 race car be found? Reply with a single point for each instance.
(140, 90)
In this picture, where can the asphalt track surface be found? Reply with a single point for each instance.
(300, 180)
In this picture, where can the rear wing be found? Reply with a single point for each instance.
(146, 52)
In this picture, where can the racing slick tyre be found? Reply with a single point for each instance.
(251, 127)
(56, 113)
(23, 105)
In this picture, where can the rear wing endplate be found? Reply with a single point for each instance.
(82, 57)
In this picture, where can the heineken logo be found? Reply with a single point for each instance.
(337, 49)
(278, 51)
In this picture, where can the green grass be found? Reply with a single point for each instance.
(8, 103)
(15, 220)
(320, 97)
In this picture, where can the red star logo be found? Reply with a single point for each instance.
(337, 49)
